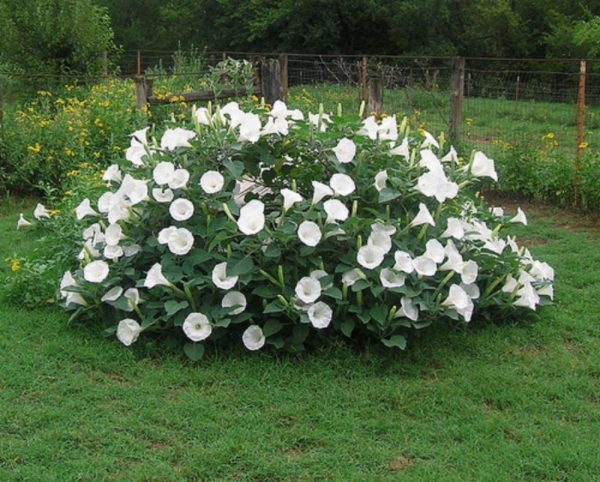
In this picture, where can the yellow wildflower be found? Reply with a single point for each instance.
(69, 152)
(15, 265)
(97, 155)
(54, 212)
(35, 148)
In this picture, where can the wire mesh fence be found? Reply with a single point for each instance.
(506, 102)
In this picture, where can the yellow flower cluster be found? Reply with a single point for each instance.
(15, 264)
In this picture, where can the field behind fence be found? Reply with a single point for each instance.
(492, 104)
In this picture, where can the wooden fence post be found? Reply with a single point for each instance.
(375, 95)
(580, 129)
(283, 64)
(141, 91)
(456, 97)
(138, 63)
(105, 63)
(364, 79)
(270, 80)
(1, 104)
(517, 88)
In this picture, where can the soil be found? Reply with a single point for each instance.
(568, 219)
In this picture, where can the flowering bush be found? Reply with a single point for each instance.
(47, 140)
(269, 227)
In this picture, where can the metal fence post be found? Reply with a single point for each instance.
(580, 130)
(457, 89)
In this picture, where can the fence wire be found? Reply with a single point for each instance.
(507, 102)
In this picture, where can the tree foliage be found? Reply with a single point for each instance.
(523, 28)
(54, 36)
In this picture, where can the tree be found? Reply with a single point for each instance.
(54, 36)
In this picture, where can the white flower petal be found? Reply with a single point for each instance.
(253, 338)
(197, 327)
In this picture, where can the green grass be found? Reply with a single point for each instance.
(497, 403)
(486, 122)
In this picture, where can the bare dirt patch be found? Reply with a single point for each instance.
(399, 463)
(562, 217)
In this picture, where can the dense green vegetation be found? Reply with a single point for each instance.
(57, 36)
(501, 403)
(490, 28)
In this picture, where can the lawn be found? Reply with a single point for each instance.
(499, 402)
(486, 122)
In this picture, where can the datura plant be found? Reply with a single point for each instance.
(272, 227)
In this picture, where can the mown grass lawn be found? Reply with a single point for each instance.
(500, 402)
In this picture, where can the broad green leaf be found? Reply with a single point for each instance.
(272, 251)
(333, 292)
(388, 194)
(379, 313)
(271, 327)
(243, 266)
(172, 306)
(235, 168)
(194, 351)
(397, 341)
(265, 291)
(360, 285)
(274, 307)
(300, 333)
(347, 327)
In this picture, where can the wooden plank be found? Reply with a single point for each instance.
(456, 97)
(203, 96)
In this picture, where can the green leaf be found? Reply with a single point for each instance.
(288, 227)
(122, 304)
(243, 266)
(278, 342)
(347, 327)
(364, 317)
(307, 251)
(379, 313)
(377, 290)
(300, 333)
(273, 307)
(265, 291)
(360, 285)
(194, 351)
(235, 168)
(172, 306)
(224, 323)
(333, 292)
(397, 340)
(388, 194)
(199, 256)
(272, 251)
(271, 327)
